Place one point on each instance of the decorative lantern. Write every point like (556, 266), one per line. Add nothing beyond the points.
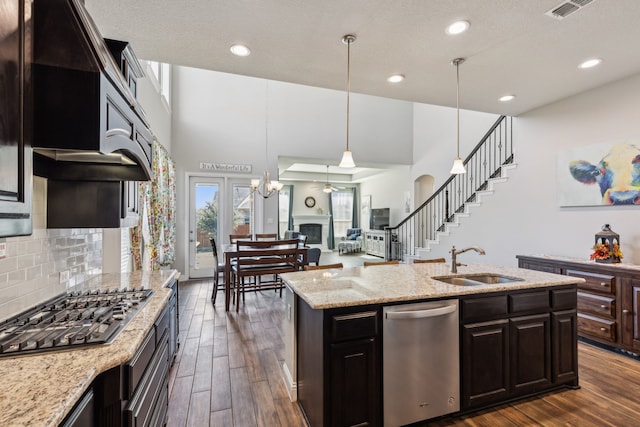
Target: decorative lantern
(607, 246)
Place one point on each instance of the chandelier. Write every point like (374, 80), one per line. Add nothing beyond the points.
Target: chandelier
(266, 187)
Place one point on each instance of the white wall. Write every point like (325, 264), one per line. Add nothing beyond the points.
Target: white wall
(221, 118)
(387, 190)
(522, 217)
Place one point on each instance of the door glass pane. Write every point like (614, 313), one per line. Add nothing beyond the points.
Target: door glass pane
(207, 203)
(241, 209)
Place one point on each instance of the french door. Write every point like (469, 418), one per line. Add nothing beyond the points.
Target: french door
(218, 206)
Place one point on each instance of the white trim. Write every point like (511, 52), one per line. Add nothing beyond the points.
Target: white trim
(292, 386)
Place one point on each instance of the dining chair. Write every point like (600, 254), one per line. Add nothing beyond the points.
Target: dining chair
(266, 236)
(233, 238)
(372, 263)
(313, 256)
(323, 267)
(219, 269)
(260, 258)
(429, 261)
(303, 239)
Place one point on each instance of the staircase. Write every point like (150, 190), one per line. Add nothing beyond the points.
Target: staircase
(486, 165)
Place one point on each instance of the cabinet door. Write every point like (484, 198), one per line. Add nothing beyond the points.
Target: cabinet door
(564, 339)
(530, 345)
(485, 363)
(355, 384)
(630, 307)
(15, 118)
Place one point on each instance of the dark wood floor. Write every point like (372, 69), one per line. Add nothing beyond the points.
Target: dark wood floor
(228, 373)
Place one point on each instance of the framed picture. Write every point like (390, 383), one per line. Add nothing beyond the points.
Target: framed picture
(365, 204)
(599, 175)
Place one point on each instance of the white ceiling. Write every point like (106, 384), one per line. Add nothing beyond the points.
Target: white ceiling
(512, 47)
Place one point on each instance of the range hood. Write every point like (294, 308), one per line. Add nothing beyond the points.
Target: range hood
(88, 125)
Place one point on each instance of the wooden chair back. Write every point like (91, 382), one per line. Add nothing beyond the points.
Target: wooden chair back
(428, 261)
(323, 267)
(233, 238)
(262, 257)
(266, 236)
(372, 263)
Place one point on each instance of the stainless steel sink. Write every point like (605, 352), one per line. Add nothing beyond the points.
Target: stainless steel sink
(476, 279)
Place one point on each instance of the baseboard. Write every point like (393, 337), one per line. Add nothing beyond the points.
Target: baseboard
(290, 384)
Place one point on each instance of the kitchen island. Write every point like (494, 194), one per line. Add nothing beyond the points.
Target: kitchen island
(516, 338)
(42, 389)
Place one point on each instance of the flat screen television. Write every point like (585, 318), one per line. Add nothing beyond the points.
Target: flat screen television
(379, 219)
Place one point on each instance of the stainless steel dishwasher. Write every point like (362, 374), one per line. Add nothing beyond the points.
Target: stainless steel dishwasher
(421, 370)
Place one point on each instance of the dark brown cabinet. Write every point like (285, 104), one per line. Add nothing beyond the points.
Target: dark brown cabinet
(339, 372)
(517, 344)
(608, 300)
(16, 117)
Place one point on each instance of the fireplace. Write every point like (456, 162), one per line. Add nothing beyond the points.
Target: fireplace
(312, 231)
(321, 221)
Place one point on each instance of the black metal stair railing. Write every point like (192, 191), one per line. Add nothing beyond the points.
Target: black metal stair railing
(484, 162)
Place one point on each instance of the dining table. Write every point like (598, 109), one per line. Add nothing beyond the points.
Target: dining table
(230, 251)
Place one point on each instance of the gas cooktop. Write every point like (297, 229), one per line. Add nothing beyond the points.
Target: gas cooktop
(71, 320)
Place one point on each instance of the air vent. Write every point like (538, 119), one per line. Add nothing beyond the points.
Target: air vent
(567, 8)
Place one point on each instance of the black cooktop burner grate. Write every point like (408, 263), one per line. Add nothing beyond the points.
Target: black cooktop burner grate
(71, 320)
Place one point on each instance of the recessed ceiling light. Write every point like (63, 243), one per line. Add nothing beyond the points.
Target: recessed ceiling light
(240, 50)
(395, 78)
(458, 27)
(590, 63)
(506, 98)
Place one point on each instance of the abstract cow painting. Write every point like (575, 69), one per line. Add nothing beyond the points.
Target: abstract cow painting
(603, 174)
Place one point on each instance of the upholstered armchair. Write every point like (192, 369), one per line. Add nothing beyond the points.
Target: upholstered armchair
(352, 242)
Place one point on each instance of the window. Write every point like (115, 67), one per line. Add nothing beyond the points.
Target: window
(241, 209)
(160, 75)
(342, 205)
(283, 205)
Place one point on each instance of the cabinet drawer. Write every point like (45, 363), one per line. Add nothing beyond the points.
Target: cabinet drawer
(135, 369)
(481, 309)
(530, 302)
(353, 326)
(596, 327)
(595, 282)
(597, 304)
(564, 299)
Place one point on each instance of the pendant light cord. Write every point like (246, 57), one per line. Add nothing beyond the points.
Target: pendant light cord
(349, 41)
(458, 104)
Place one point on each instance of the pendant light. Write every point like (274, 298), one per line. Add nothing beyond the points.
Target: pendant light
(266, 188)
(458, 166)
(347, 157)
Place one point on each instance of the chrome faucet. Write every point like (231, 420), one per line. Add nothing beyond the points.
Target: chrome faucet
(454, 253)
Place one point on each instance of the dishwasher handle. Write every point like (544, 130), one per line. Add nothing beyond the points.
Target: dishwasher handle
(420, 314)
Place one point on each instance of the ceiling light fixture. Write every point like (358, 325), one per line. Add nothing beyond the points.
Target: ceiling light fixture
(458, 166)
(347, 157)
(458, 27)
(240, 50)
(395, 78)
(266, 188)
(506, 98)
(590, 63)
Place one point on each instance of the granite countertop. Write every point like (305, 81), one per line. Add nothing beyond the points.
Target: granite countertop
(381, 284)
(40, 389)
(619, 265)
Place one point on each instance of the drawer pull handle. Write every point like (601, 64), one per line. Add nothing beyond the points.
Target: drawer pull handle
(603, 306)
(603, 329)
(626, 311)
(604, 284)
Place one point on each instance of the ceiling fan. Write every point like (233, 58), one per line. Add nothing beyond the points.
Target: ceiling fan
(328, 188)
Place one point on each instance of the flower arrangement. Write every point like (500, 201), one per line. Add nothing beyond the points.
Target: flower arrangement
(602, 251)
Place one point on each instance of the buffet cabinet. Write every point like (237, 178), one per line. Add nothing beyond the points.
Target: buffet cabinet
(375, 243)
(608, 300)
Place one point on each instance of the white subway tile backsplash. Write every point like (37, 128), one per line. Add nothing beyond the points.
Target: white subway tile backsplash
(30, 274)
